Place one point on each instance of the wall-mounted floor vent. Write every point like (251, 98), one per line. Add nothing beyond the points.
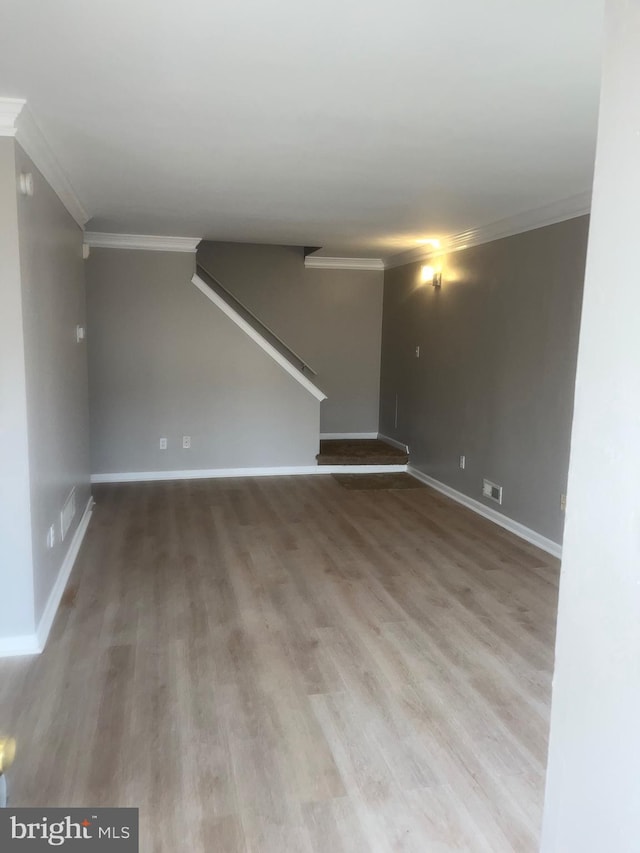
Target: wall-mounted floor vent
(491, 490)
(68, 513)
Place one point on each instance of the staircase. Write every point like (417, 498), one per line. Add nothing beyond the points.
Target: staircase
(362, 452)
(258, 331)
(352, 456)
(254, 322)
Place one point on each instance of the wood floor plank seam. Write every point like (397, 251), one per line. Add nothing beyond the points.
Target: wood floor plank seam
(283, 664)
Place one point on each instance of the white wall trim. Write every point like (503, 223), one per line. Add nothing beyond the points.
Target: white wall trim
(33, 644)
(10, 109)
(255, 336)
(22, 644)
(549, 214)
(53, 602)
(509, 524)
(312, 262)
(147, 242)
(393, 442)
(17, 120)
(336, 436)
(219, 473)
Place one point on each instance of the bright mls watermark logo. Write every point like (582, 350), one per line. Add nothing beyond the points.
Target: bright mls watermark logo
(82, 830)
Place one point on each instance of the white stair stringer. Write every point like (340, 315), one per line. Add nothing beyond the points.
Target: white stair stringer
(255, 336)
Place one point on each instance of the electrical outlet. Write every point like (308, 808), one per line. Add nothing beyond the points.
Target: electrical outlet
(51, 537)
(563, 502)
(462, 462)
(163, 444)
(186, 442)
(418, 352)
(492, 490)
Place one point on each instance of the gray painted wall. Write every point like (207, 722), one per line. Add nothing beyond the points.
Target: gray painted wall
(53, 302)
(332, 318)
(494, 381)
(165, 362)
(16, 573)
(43, 389)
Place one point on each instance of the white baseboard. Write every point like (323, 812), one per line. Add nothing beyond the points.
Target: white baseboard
(392, 441)
(22, 644)
(333, 436)
(51, 607)
(361, 469)
(33, 644)
(515, 527)
(219, 473)
(200, 474)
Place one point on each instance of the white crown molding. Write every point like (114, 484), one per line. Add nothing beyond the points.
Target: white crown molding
(526, 533)
(412, 256)
(10, 109)
(32, 140)
(146, 242)
(17, 120)
(218, 473)
(312, 262)
(255, 336)
(549, 214)
(559, 211)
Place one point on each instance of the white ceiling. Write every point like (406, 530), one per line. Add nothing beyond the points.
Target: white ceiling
(359, 125)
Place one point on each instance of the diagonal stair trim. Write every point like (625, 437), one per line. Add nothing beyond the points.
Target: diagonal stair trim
(262, 328)
(255, 336)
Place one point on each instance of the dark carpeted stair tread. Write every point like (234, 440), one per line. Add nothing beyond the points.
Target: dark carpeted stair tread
(377, 482)
(365, 451)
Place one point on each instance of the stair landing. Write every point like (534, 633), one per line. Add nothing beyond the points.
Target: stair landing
(365, 451)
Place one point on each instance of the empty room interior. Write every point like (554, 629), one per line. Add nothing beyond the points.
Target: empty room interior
(320, 408)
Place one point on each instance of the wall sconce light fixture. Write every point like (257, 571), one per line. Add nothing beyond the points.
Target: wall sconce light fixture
(431, 276)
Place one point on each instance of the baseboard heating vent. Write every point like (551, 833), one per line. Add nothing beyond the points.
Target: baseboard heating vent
(68, 514)
(491, 490)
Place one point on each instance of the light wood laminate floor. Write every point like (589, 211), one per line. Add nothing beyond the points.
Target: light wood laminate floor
(282, 665)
